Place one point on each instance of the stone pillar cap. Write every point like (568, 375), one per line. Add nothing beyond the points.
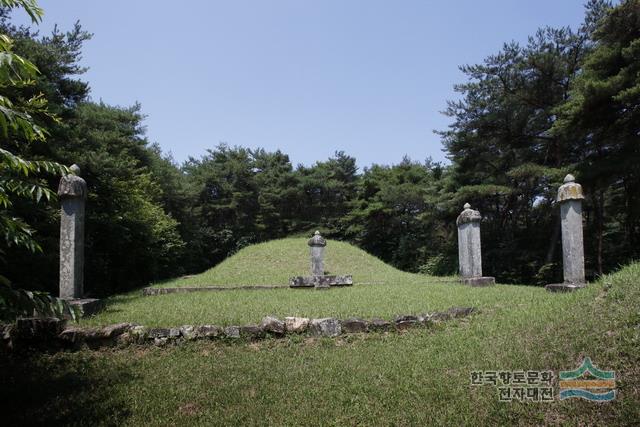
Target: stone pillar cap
(468, 215)
(72, 185)
(317, 240)
(570, 190)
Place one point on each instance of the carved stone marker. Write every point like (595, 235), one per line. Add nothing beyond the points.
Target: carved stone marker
(570, 198)
(318, 279)
(469, 250)
(73, 195)
(317, 244)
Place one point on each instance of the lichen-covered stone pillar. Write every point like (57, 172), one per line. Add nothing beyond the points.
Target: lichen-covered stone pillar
(73, 194)
(469, 248)
(317, 244)
(570, 199)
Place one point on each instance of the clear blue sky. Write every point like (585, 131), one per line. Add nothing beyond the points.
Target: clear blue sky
(308, 77)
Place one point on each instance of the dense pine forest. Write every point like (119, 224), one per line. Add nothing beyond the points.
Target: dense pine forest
(566, 101)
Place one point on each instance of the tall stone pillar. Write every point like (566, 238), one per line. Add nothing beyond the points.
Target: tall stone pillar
(317, 244)
(469, 249)
(570, 199)
(73, 194)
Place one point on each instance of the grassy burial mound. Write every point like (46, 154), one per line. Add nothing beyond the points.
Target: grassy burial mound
(275, 262)
(415, 378)
(379, 290)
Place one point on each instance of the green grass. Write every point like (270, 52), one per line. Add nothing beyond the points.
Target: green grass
(237, 307)
(275, 262)
(389, 291)
(419, 377)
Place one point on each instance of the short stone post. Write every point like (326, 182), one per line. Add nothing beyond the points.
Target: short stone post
(318, 279)
(72, 192)
(317, 244)
(570, 199)
(469, 249)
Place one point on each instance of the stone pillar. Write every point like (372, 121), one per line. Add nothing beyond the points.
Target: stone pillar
(318, 279)
(469, 249)
(73, 194)
(570, 199)
(317, 244)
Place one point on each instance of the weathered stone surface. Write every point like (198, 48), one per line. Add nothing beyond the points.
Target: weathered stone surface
(209, 331)
(319, 281)
(440, 316)
(136, 335)
(86, 306)
(424, 318)
(128, 333)
(72, 191)
(232, 332)
(78, 335)
(461, 311)
(564, 287)
(469, 250)
(379, 325)
(72, 185)
(354, 325)
(189, 332)
(188, 289)
(273, 325)
(406, 321)
(570, 198)
(296, 324)
(161, 341)
(570, 190)
(572, 242)
(326, 327)
(158, 333)
(95, 337)
(468, 215)
(406, 318)
(112, 331)
(478, 282)
(251, 331)
(317, 244)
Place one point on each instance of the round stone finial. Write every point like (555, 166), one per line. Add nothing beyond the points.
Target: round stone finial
(72, 185)
(570, 190)
(317, 240)
(468, 215)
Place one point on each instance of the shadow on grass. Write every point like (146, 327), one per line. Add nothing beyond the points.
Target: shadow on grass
(62, 389)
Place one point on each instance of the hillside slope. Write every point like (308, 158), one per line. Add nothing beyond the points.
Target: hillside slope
(274, 262)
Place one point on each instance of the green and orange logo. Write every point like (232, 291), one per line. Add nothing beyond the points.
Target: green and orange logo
(588, 382)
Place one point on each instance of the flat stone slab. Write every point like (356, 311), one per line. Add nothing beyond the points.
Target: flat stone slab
(478, 281)
(86, 306)
(565, 287)
(185, 289)
(321, 282)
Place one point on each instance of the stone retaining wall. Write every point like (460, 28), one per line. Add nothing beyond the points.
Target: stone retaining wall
(52, 334)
